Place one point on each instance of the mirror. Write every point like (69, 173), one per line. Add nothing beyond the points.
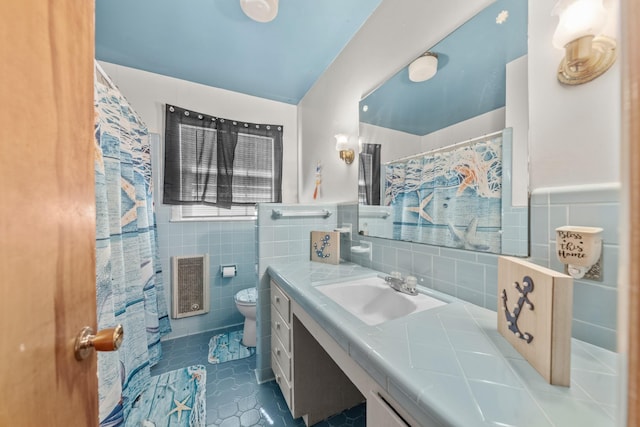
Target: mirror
(425, 132)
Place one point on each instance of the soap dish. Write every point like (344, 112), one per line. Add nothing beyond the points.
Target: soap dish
(363, 248)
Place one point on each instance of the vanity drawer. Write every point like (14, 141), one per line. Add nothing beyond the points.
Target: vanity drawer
(279, 354)
(281, 329)
(280, 301)
(282, 382)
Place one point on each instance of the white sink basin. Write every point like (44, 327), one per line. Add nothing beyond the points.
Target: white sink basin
(374, 302)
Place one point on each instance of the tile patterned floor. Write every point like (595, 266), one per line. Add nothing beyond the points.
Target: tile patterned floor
(234, 398)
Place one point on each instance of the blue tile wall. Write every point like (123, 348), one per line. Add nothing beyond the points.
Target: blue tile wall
(472, 276)
(283, 240)
(594, 302)
(226, 242)
(464, 274)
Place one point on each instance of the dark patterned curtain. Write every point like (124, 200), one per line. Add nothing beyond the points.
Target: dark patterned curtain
(369, 175)
(221, 162)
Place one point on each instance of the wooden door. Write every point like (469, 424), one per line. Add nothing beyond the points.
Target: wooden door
(47, 212)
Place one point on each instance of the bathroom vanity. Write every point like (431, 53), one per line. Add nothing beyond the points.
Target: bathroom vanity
(307, 370)
(444, 366)
(297, 357)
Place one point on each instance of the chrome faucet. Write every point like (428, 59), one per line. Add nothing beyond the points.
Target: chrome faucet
(397, 283)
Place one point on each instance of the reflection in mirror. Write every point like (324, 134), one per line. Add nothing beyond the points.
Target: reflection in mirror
(444, 161)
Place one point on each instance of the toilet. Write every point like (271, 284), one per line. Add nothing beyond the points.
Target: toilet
(246, 303)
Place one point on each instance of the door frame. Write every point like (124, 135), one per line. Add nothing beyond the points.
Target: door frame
(629, 300)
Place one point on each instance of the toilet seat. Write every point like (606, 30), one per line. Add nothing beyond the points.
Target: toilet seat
(247, 296)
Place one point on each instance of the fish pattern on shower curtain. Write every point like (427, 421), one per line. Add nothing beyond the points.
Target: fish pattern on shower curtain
(130, 290)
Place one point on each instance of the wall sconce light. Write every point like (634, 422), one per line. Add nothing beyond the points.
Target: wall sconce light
(342, 145)
(579, 248)
(424, 67)
(588, 54)
(260, 10)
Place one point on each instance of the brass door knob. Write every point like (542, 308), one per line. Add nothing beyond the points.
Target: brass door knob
(105, 340)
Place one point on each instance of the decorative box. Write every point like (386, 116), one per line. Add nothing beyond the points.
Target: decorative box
(325, 246)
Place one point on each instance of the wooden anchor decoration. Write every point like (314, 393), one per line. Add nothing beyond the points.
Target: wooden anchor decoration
(512, 319)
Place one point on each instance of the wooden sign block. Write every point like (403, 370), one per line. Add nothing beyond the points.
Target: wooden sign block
(325, 246)
(535, 310)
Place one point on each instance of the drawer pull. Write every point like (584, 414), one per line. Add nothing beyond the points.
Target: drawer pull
(277, 298)
(277, 352)
(278, 379)
(277, 325)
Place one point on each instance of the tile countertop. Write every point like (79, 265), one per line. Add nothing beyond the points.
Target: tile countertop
(451, 363)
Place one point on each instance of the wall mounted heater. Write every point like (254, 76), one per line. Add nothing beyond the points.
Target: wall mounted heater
(189, 285)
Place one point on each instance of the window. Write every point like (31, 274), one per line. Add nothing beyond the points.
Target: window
(253, 178)
(212, 213)
(213, 163)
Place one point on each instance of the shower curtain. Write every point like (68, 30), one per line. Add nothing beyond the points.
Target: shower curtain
(449, 198)
(130, 290)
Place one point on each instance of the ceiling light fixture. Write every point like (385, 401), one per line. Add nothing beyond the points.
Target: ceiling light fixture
(588, 54)
(260, 10)
(424, 67)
